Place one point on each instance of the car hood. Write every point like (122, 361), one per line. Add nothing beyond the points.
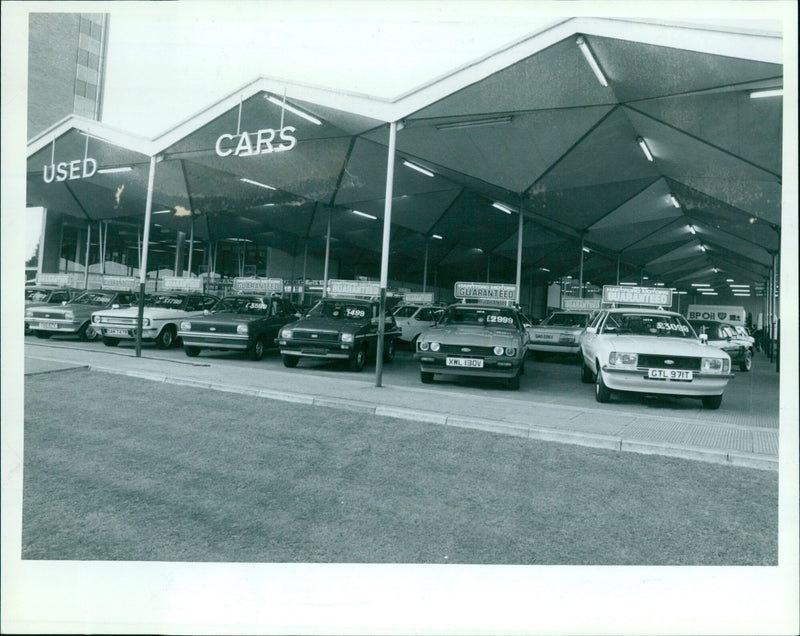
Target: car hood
(457, 334)
(58, 310)
(662, 346)
(555, 329)
(154, 313)
(317, 323)
(226, 319)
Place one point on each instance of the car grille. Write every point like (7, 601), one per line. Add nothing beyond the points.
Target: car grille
(200, 327)
(473, 351)
(678, 362)
(48, 313)
(117, 320)
(316, 336)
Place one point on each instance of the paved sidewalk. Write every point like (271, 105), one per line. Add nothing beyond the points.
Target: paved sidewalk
(618, 428)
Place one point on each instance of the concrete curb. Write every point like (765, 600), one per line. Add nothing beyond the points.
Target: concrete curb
(591, 440)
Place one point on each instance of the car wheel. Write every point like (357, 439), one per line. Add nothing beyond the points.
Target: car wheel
(192, 352)
(166, 338)
(358, 359)
(586, 373)
(290, 361)
(88, 333)
(513, 383)
(28, 330)
(257, 350)
(110, 342)
(712, 401)
(602, 392)
(388, 351)
(746, 364)
(44, 335)
(426, 377)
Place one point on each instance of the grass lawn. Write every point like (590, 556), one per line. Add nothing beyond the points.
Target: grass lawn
(118, 468)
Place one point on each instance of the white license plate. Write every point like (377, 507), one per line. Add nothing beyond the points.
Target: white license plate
(544, 336)
(669, 374)
(48, 325)
(117, 332)
(473, 363)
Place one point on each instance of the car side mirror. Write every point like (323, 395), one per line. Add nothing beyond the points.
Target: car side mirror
(63, 302)
(206, 312)
(591, 329)
(115, 306)
(703, 338)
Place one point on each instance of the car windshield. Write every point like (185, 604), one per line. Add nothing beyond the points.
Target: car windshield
(340, 310)
(37, 295)
(566, 320)
(712, 329)
(638, 324)
(168, 301)
(254, 305)
(405, 312)
(484, 316)
(95, 299)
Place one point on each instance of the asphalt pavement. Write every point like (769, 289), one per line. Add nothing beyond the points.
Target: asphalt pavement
(552, 404)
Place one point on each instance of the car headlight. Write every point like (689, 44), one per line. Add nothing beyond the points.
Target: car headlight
(186, 325)
(286, 334)
(423, 346)
(714, 365)
(29, 313)
(242, 330)
(347, 337)
(498, 351)
(511, 351)
(623, 359)
(145, 322)
(435, 346)
(95, 318)
(68, 315)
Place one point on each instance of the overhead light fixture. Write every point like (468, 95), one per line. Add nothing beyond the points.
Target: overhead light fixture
(682, 293)
(753, 219)
(659, 284)
(701, 285)
(113, 170)
(716, 270)
(745, 294)
(709, 293)
(674, 201)
(645, 149)
(474, 123)
(729, 280)
(770, 92)
(163, 212)
(256, 183)
(702, 247)
(692, 230)
(502, 207)
(732, 286)
(292, 109)
(544, 269)
(629, 284)
(365, 215)
(414, 166)
(586, 249)
(436, 236)
(587, 53)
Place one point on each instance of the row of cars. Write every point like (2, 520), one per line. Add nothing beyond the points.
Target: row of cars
(633, 349)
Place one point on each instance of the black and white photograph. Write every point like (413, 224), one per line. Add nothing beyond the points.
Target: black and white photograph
(399, 317)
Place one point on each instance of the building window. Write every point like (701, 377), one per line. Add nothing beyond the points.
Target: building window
(97, 31)
(80, 88)
(83, 57)
(93, 61)
(91, 90)
(86, 26)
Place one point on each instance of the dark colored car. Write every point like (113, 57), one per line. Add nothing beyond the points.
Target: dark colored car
(723, 336)
(338, 329)
(246, 322)
(46, 295)
(75, 316)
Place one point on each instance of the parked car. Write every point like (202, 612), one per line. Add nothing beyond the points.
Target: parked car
(244, 322)
(744, 334)
(412, 319)
(75, 316)
(163, 312)
(338, 329)
(725, 337)
(474, 340)
(46, 295)
(651, 351)
(558, 333)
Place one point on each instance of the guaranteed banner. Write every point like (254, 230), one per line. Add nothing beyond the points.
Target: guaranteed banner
(580, 304)
(485, 291)
(258, 285)
(175, 283)
(354, 288)
(657, 296)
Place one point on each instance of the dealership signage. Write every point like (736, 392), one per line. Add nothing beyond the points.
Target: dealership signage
(61, 280)
(118, 282)
(174, 283)
(722, 313)
(258, 285)
(261, 142)
(657, 296)
(418, 297)
(70, 170)
(580, 304)
(354, 287)
(485, 291)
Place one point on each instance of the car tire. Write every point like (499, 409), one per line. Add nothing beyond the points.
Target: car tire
(358, 359)
(256, 352)
(110, 342)
(426, 377)
(513, 383)
(587, 377)
(290, 362)
(746, 364)
(602, 392)
(88, 333)
(712, 401)
(388, 351)
(44, 335)
(166, 339)
(191, 351)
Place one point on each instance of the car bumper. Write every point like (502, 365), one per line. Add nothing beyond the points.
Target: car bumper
(125, 333)
(493, 367)
(54, 326)
(637, 380)
(554, 348)
(334, 352)
(216, 341)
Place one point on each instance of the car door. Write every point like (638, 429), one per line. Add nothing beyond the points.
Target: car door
(589, 339)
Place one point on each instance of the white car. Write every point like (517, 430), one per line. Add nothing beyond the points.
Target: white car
(163, 313)
(745, 335)
(558, 333)
(414, 319)
(651, 351)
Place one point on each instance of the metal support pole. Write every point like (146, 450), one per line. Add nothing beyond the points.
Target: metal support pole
(618, 255)
(580, 289)
(488, 268)
(519, 253)
(143, 270)
(425, 267)
(387, 230)
(86, 263)
(139, 247)
(191, 246)
(327, 257)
